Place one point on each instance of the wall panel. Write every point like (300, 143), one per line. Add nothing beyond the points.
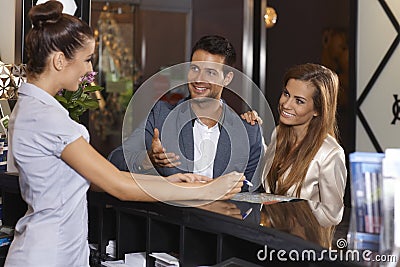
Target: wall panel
(378, 79)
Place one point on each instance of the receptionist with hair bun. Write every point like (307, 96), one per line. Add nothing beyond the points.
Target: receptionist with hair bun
(55, 161)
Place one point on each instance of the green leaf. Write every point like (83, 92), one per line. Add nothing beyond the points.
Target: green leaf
(77, 94)
(89, 104)
(93, 88)
(71, 105)
(78, 110)
(92, 104)
(61, 99)
(74, 116)
(67, 95)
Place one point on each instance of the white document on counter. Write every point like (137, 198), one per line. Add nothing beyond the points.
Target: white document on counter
(259, 197)
(164, 259)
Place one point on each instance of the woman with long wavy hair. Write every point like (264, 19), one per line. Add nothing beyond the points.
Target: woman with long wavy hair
(308, 161)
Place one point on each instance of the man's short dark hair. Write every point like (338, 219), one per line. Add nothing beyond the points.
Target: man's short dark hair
(216, 45)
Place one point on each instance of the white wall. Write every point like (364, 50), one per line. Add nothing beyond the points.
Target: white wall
(7, 30)
(375, 35)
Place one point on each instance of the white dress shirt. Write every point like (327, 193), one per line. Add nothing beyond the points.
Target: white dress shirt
(205, 147)
(54, 230)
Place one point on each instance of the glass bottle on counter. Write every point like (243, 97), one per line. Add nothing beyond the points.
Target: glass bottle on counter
(390, 205)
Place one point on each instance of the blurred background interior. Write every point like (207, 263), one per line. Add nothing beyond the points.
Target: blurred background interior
(137, 38)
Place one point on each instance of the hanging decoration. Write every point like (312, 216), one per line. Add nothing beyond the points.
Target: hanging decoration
(11, 77)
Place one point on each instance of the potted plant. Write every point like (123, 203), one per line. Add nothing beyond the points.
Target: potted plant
(79, 101)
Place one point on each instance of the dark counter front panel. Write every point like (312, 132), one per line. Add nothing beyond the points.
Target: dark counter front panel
(195, 236)
(200, 237)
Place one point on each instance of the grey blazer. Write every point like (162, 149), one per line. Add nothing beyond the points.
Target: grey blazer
(239, 145)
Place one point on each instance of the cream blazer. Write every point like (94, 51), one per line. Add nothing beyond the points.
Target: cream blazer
(325, 180)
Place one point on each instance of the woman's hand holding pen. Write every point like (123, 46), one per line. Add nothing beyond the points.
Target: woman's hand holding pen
(226, 186)
(158, 155)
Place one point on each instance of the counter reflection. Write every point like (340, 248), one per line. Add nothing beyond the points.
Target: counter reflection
(315, 222)
(297, 218)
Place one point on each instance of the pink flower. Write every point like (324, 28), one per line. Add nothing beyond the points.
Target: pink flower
(88, 78)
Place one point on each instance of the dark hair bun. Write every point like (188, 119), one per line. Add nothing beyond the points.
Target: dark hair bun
(49, 12)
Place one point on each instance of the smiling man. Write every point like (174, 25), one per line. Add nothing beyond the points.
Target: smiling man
(200, 134)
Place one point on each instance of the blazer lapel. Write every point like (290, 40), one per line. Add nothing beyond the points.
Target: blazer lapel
(223, 154)
(185, 131)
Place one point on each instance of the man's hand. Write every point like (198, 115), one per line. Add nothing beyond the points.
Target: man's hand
(251, 117)
(158, 155)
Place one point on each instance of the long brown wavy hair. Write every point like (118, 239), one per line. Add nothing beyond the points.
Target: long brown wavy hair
(298, 159)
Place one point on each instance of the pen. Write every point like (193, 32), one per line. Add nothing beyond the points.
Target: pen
(245, 181)
(248, 182)
(244, 215)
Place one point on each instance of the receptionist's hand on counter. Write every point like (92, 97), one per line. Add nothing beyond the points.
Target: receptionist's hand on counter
(188, 177)
(188, 186)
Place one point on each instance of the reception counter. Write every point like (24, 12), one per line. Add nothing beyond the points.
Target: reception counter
(222, 233)
(214, 233)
